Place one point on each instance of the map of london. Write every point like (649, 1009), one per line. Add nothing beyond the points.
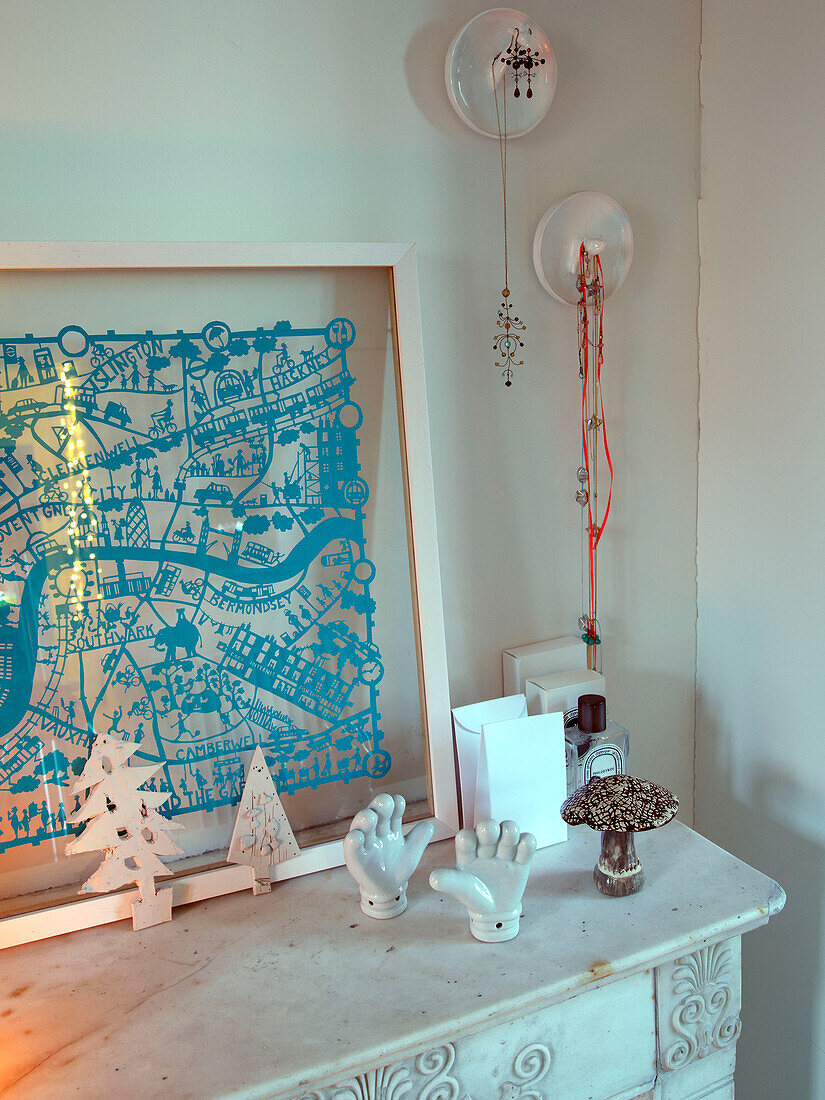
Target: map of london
(223, 595)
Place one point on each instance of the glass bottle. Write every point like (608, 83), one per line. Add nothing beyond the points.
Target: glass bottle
(595, 745)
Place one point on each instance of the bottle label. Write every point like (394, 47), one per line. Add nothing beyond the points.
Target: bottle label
(604, 760)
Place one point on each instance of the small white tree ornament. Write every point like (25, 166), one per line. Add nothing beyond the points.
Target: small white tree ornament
(262, 835)
(123, 821)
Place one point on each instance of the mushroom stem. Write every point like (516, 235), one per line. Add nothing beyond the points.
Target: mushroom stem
(618, 872)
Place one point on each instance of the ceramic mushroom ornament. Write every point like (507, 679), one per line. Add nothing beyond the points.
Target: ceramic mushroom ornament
(619, 805)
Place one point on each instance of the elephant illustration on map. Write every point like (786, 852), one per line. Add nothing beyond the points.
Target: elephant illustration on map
(184, 635)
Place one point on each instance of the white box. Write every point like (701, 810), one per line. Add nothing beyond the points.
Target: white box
(560, 691)
(522, 776)
(524, 662)
(467, 723)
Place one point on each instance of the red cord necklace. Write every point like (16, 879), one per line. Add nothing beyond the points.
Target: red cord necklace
(591, 286)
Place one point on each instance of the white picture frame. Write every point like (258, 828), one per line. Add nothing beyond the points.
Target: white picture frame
(399, 262)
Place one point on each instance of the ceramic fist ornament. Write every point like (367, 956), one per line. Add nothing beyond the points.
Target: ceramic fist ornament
(380, 858)
(492, 867)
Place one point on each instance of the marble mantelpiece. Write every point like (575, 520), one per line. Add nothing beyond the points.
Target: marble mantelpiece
(295, 993)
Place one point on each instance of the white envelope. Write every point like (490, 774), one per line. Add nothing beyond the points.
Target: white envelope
(522, 776)
(467, 723)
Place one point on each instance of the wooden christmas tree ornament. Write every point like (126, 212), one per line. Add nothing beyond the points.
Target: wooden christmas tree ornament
(262, 835)
(123, 821)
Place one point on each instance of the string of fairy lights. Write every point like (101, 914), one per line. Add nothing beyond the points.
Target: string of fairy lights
(79, 489)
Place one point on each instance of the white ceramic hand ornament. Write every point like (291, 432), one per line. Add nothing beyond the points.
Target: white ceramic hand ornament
(380, 858)
(492, 867)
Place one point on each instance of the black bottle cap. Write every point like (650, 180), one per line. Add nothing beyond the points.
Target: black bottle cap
(592, 713)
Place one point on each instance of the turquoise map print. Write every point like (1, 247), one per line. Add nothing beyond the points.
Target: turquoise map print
(224, 598)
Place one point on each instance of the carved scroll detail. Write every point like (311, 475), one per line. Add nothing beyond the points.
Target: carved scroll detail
(704, 981)
(431, 1076)
(529, 1066)
(394, 1082)
(437, 1064)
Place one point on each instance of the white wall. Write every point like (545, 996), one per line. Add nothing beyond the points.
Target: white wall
(262, 119)
(761, 729)
(322, 120)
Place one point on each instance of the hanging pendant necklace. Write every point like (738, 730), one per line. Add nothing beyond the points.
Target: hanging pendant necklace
(522, 57)
(594, 432)
(582, 251)
(508, 341)
(506, 46)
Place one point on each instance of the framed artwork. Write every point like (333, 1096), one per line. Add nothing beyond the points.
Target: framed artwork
(217, 532)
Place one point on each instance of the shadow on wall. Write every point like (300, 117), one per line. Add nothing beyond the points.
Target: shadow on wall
(777, 1054)
(424, 69)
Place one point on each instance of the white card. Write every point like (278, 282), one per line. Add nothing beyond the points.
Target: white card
(522, 777)
(467, 723)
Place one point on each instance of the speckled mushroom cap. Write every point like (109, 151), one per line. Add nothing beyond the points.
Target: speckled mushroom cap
(620, 802)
